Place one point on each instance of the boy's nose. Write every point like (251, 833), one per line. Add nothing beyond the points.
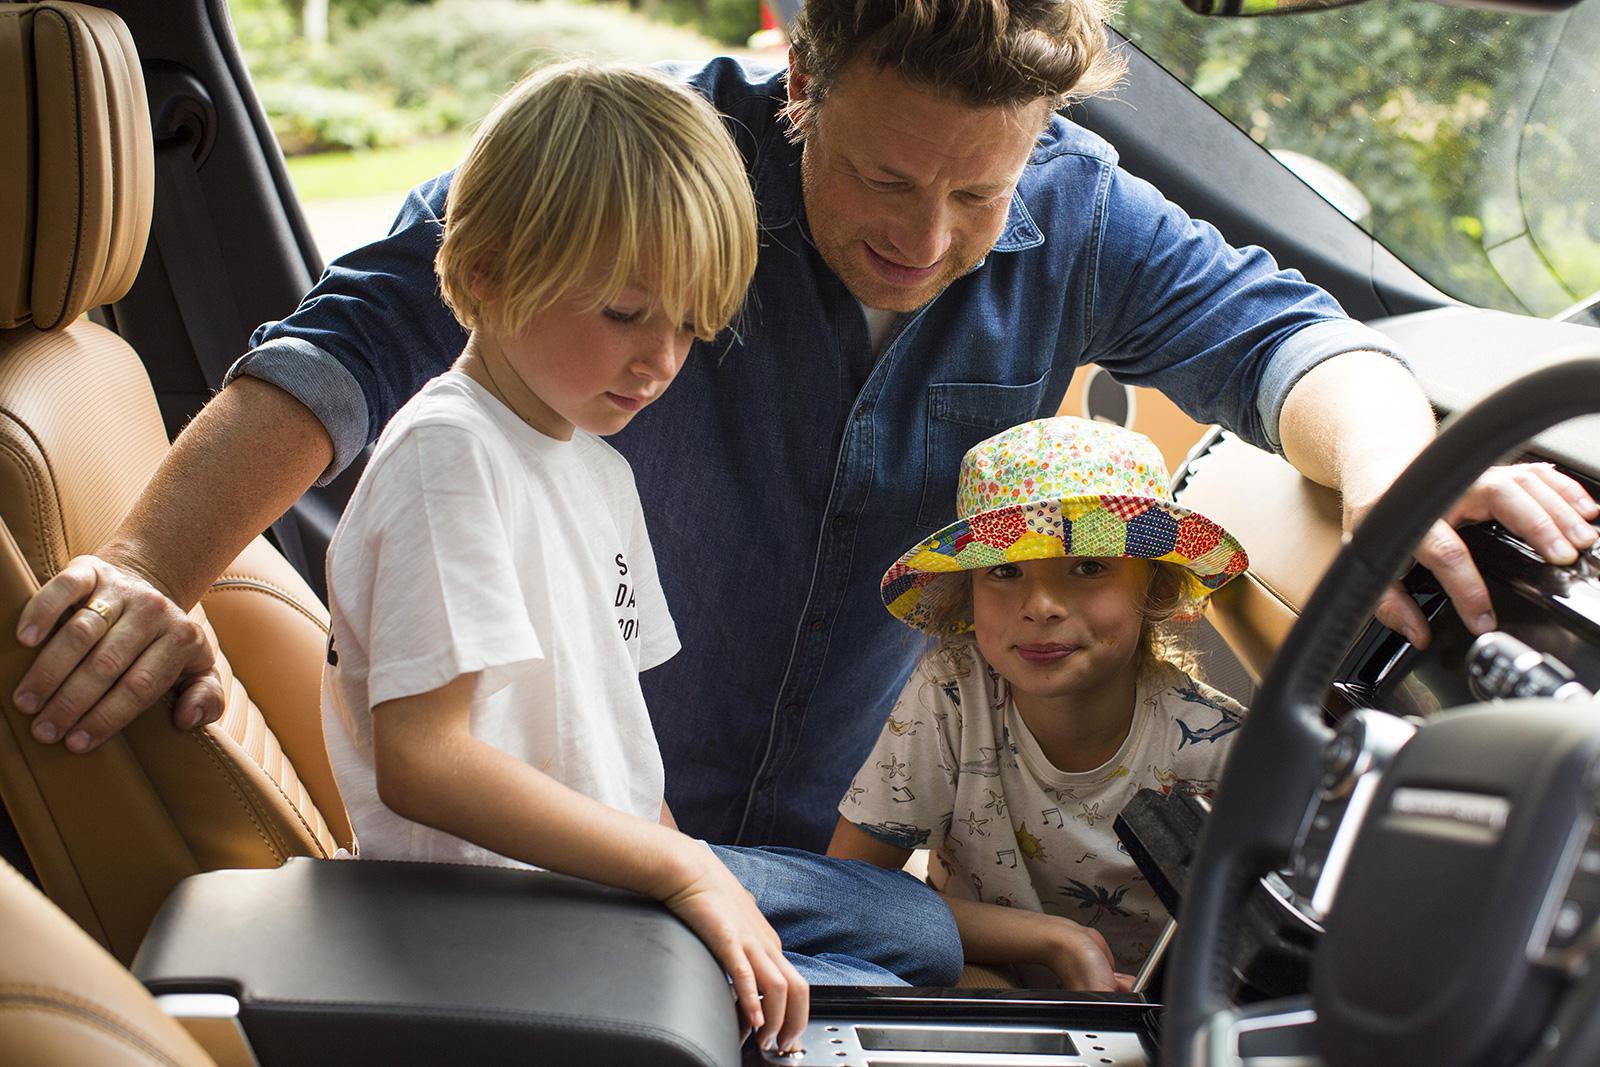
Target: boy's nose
(1042, 604)
(661, 361)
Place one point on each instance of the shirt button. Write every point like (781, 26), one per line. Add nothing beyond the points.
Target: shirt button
(818, 623)
(863, 412)
(841, 523)
(792, 710)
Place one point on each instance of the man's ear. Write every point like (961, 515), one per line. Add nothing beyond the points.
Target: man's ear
(798, 80)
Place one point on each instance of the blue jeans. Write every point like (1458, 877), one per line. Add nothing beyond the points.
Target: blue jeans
(845, 922)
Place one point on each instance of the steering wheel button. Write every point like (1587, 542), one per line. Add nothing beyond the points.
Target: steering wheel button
(1568, 925)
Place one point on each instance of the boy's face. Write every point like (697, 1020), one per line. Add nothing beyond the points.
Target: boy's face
(906, 190)
(1062, 630)
(594, 368)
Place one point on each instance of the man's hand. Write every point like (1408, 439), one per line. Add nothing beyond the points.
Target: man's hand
(1535, 502)
(113, 643)
(772, 996)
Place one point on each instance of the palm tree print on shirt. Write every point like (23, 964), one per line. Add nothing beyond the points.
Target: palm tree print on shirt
(1097, 898)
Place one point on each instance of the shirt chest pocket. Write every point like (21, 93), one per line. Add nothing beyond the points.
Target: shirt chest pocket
(960, 414)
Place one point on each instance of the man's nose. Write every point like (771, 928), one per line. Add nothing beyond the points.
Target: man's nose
(921, 234)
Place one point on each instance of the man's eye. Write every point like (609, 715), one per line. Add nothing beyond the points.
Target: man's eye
(881, 186)
(978, 199)
(619, 315)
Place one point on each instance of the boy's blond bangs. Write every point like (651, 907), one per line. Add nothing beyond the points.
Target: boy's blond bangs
(600, 178)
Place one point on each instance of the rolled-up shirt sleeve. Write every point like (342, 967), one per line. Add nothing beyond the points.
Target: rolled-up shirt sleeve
(1223, 331)
(371, 332)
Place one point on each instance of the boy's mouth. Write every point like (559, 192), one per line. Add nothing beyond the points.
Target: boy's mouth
(628, 403)
(1045, 653)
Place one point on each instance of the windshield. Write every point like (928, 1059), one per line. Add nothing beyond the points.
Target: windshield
(1465, 141)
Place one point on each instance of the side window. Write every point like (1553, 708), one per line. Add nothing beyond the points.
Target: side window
(1461, 139)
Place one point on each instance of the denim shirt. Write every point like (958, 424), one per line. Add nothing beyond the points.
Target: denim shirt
(787, 468)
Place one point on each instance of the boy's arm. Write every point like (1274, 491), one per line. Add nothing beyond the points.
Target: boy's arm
(992, 934)
(850, 842)
(1077, 955)
(430, 769)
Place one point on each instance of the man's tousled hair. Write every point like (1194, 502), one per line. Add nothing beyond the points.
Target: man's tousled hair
(986, 53)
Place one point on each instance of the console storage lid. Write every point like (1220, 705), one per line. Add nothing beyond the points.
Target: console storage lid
(357, 962)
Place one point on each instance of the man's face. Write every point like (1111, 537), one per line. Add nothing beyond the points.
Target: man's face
(906, 190)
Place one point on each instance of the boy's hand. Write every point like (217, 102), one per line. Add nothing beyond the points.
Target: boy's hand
(1081, 959)
(773, 997)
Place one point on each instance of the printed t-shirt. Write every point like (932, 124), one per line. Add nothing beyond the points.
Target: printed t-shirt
(957, 771)
(475, 543)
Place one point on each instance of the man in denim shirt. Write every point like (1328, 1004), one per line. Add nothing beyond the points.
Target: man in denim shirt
(933, 269)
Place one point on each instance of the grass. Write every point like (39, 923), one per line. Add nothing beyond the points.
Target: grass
(374, 172)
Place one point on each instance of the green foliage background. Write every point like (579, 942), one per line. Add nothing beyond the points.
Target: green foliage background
(1475, 135)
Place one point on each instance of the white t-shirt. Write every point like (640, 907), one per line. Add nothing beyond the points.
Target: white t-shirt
(475, 543)
(957, 771)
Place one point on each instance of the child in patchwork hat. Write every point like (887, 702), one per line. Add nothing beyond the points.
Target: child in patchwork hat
(1051, 698)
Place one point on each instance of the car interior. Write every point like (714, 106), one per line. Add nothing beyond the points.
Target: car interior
(1402, 865)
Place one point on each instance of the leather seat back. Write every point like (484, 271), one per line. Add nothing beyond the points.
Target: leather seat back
(110, 833)
(64, 1002)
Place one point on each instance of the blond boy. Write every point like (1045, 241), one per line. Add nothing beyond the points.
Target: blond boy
(492, 585)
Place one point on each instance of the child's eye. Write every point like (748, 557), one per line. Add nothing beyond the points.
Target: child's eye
(1089, 568)
(1005, 571)
(620, 315)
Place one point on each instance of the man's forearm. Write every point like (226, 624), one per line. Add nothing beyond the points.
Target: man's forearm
(235, 469)
(1353, 422)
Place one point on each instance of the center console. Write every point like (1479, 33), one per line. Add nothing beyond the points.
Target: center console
(353, 963)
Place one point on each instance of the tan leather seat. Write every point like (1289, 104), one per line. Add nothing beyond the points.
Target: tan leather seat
(64, 1002)
(110, 834)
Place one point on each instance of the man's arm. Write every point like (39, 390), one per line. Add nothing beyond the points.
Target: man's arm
(240, 464)
(297, 407)
(1355, 421)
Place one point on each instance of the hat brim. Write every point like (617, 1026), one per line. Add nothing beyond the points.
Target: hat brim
(918, 591)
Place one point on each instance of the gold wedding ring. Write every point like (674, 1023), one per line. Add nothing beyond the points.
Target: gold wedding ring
(101, 608)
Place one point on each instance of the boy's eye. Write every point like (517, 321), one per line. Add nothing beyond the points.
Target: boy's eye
(1004, 571)
(1089, 568)
(621, 315)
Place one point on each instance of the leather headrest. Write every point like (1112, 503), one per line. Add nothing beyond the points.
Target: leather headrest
(77, 173)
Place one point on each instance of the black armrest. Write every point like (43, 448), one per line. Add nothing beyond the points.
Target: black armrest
(360, 961)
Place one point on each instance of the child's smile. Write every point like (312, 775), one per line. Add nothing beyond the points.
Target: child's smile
(1065, 633)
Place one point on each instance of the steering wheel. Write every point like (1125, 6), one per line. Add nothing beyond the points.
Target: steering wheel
(1459, 932)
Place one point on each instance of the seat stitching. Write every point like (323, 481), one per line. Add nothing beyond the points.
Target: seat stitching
(35, 489)
(251, 584)
(209, 747)
(47, 998)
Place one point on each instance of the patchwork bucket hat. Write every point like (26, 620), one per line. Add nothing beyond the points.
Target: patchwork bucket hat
(1056, 487)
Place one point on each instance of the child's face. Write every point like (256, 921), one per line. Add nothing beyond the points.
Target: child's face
(594, 368)
(1064, 628)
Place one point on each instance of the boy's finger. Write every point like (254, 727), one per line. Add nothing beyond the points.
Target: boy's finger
(774, 999)
(746, 993)
(798, 1006)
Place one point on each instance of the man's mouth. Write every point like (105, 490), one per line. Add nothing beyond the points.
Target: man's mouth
(898, 273)
(1045, 653)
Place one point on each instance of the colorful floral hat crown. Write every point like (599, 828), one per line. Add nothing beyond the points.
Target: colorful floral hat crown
(1056, 487)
